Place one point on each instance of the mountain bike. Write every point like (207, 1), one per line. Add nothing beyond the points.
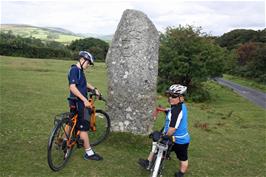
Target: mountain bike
(162, 153)
(65, 136)
(163, 148)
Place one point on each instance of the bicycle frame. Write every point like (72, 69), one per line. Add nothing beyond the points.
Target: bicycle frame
(93, 114)
(70, 143)
(74, 119)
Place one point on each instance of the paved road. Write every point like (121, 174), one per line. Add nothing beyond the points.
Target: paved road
(255, 96)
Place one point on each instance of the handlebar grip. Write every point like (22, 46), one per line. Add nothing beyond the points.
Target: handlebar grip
(102, 98)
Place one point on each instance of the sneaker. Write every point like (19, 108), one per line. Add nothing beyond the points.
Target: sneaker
(95, 156)
(144, 163)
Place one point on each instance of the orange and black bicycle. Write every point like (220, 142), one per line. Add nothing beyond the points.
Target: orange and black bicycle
(65, 136)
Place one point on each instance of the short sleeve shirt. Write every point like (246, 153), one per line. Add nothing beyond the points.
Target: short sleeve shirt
(177, 118)
(76, 76)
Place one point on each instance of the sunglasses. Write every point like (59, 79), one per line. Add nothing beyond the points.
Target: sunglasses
(171, 96)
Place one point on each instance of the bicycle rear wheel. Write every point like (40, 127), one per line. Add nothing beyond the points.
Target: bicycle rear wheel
(102, 128)
(58, 152)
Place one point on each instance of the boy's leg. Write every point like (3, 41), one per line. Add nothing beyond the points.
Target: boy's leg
(183, 166)
(146, 163)
(86, 142)
(83, 126)
(153, 148)
(182, 155)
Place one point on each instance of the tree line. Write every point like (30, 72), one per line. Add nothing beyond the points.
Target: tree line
(249, 49)
(12, 45)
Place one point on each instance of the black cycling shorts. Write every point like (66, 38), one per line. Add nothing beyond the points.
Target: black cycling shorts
(83, 116)
(181, 151)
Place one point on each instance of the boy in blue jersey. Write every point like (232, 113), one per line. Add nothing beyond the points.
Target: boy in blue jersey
(176, 128)
(78, 87)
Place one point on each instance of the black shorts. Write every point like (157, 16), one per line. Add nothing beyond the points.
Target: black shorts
(83, 116)
(181, 151)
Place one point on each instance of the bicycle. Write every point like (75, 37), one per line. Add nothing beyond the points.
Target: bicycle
(163, 148)
(65, 136)
(162, 153)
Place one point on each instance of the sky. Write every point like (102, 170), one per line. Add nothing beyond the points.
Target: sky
(101, 17)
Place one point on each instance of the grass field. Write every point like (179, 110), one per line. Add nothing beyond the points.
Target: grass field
(228, 133)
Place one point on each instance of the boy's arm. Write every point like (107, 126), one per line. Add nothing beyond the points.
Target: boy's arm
(158, 110)
(91, 87)
(171, 131)
(176, 116)
(77, 93)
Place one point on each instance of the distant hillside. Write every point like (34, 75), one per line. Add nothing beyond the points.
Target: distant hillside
(107, 38)
(49, 33)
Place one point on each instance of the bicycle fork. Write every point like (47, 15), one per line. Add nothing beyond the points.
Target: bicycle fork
(161, 149)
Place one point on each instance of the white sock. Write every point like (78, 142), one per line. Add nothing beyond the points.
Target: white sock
(89, 152)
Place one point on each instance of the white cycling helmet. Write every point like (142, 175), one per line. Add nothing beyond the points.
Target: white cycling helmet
(176, 90)
(87, 56)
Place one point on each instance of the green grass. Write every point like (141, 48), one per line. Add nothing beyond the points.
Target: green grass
(246, 82)
(228, 132)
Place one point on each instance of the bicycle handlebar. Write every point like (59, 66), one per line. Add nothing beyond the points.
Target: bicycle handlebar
(90, 96)
(100, 97)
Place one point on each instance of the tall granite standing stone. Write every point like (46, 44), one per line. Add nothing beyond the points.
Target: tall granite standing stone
(132, 64)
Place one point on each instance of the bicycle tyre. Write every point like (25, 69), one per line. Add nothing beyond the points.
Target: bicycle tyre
(103, 125)
(54, 145)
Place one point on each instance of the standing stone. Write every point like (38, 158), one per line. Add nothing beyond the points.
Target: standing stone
(132, 64)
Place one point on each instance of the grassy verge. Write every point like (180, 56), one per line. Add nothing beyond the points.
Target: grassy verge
(246, 82)
(228, 133)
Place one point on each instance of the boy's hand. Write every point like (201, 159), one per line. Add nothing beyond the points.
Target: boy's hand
(155, 114)
(97, 92)
(87, 103)
(157, 111)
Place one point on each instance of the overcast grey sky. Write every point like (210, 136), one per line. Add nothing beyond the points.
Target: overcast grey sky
(102, 16)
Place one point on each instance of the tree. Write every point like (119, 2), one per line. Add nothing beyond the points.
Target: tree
(244, 52)
(189, 57)
(248, 46)
(234, 38)
(251, 60)
(97, 47)
(257, 65)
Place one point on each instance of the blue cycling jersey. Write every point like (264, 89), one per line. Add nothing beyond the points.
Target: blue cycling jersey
(76, 76)
(177, 118)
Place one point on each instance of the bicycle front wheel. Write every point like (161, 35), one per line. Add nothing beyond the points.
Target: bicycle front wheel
(58, 152)
(102, 128)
